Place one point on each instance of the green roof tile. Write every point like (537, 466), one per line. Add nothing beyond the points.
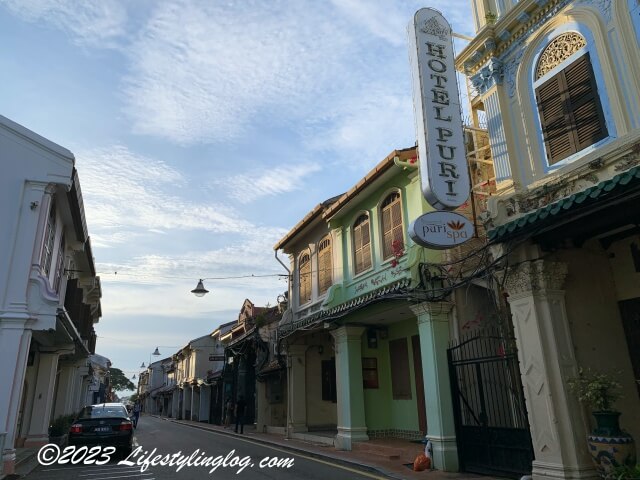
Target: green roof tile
(624, 179)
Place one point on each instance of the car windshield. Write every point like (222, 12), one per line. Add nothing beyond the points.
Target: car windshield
(103, 411)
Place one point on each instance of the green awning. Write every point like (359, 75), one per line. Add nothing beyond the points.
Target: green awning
(613, 187)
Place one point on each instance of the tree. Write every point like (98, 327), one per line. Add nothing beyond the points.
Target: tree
(119, 381)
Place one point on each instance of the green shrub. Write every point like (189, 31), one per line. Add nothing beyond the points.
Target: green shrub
(597, 390)
(623, 472)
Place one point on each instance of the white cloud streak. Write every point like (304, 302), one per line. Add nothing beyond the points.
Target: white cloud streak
(143, 196)
(201, 71)
(249, 187)
(95, 23)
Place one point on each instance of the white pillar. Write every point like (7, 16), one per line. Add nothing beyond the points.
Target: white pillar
(297, 404)
(547, 360)
(64, 390)
(43, 402)
(14, 349)
(352, 426)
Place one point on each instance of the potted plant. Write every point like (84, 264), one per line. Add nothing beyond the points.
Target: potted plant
(609, 446)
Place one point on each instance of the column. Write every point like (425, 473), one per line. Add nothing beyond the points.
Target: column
(547, 360)
(14, 349)
(43, 402)
(263, 405)
(64, 391)
(296, 363)
(433, 327)
(352, 425)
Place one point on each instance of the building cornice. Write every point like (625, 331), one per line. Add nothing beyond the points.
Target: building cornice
(497, 40)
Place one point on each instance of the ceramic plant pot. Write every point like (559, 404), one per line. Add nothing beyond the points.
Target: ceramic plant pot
(609, 446)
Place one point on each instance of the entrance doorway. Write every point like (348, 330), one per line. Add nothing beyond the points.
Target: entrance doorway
(492, 429)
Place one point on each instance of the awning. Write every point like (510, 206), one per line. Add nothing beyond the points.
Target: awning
(346, 307)
(606, 194)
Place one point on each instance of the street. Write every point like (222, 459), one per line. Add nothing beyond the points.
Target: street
(235, 456)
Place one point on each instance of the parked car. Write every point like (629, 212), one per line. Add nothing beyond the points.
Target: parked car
(105, 424)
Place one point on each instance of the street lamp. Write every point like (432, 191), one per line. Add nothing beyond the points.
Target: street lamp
(200, 291)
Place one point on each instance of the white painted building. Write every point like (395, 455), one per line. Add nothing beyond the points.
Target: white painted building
(49, 292)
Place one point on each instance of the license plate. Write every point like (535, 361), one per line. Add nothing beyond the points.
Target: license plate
(102, 429)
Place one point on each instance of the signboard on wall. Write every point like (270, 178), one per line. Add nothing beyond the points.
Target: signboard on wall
(216, 358)
(441, 230)
(436, 104)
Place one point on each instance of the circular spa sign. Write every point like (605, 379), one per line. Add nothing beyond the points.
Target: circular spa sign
(441, 230)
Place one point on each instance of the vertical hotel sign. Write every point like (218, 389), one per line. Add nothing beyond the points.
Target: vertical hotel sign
(436, 103)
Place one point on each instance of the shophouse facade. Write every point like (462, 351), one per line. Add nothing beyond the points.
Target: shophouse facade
(365, 338)
(559, 83)
(49, 291)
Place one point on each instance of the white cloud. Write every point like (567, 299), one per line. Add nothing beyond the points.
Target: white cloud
(143, 195)
(98, 23)
(367, 127)
(248, 187)
(201, 71)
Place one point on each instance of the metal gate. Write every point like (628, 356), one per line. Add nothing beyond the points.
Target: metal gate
(492, 430)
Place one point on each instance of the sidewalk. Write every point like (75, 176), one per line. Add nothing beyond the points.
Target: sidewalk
(361, 458)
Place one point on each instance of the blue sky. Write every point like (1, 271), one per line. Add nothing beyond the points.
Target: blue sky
(203, 131)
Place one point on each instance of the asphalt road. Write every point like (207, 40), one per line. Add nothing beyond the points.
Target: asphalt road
(235, 457)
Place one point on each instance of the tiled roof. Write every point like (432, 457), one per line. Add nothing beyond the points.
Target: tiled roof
(272, 366)
(346, 307)
(604, 189)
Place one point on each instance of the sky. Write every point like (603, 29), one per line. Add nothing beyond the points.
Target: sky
(203, 131)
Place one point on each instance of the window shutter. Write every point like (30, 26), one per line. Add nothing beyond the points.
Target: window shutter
(324, 266)
(556, 123)
(584, 103)
(305, 279)
(366, 246)
(570, 111)
(357, 245)
(396, 217)
(387, 232)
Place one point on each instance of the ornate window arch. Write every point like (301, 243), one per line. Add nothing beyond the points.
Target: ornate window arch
(361, 244)
(558, 50)
(304, 277)
(391, 225)
(325, 265)
(567, 98)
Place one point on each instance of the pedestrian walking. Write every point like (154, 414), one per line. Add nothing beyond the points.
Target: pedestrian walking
(240, 408)
(136, 414)
(228, 412)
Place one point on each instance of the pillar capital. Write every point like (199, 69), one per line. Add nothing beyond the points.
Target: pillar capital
(430, 311)
(535, 276)
(347, 333)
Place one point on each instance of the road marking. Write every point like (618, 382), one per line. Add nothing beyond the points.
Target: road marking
(289, 452)
(138, 475)
(103, 473)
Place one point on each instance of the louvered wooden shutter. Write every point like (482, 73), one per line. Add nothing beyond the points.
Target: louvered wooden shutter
(324, 266)
(570, 111)
(305, 279)
(366, 246)
(357, 248)
(361, 245)
(391, 224)
(584, 103)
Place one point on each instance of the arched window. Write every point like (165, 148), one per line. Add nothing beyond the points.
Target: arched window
(324, 265)
(304, 276)
(391, 219)
(570, 111)
(361, 244)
